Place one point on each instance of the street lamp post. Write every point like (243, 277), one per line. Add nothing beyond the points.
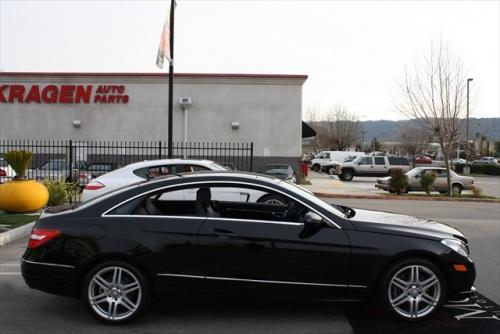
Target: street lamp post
(467, 134)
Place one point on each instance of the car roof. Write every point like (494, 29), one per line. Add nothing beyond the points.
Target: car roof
(149, 163)
(218, 176)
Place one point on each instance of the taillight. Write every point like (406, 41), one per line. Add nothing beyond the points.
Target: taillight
(94, 185)
(82, 175)
(40, 236)
(2, 172)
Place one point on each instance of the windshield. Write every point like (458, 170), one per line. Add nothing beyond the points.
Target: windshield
(414, 172)
(311, 197)
(216, 166)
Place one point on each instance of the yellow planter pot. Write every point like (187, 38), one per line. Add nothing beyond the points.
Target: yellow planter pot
(23, 196)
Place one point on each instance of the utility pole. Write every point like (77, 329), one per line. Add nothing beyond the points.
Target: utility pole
(171, 81)
(467, 135)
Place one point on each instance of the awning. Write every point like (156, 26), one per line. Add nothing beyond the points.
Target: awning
(307, 131)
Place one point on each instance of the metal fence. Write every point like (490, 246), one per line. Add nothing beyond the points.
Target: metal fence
(79, 161)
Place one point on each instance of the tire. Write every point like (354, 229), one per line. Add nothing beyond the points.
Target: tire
(456, 188)
(106, 283)
(273, 199)
(412, 300)
(316, 167)
(347, 175)
(332, 170)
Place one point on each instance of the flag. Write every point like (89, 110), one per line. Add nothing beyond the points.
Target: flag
(164, 48)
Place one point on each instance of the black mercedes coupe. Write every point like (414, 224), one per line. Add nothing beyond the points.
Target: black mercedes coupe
(241, 234)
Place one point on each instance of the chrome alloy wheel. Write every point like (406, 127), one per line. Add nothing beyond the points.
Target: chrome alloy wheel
(114, 293)
(414, 291)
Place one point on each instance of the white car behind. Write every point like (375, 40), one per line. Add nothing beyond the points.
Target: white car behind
(6, 171)
(144, 170)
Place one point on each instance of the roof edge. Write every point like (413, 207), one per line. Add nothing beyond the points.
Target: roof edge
(159, 75)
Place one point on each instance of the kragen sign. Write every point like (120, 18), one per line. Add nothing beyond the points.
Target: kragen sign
(109, 94)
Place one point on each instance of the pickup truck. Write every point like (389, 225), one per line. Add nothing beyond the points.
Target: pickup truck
(370, 166)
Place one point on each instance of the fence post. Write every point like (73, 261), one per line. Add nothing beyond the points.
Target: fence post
(251, 156)
(70, 167)
(159, 149)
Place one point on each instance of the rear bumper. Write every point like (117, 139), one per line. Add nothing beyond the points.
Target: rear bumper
(52, 278)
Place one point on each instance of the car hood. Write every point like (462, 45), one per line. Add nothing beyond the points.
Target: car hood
(390, 223)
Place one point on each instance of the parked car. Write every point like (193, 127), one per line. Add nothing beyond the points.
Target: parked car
(282, 172)
(6, 171)
(141, 171)
(59, 169)
(486, 161)
(97, 169)
(136, 242)
(458, 182)
(331, 167)
(331, 157)
(458, 161)
(423, 160)
(370, 166)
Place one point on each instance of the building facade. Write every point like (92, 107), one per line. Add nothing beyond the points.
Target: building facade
(264, 110)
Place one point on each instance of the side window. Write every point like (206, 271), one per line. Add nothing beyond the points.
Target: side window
(393, 160)
(366, 161)
(379, 161)
(441, 173)
(261, 204)
(326, 156)
(194, 168)
(155, 171)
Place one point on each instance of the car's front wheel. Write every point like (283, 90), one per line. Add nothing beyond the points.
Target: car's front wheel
(116, 292)
(332, 170)
(412, 289)
(347, 175)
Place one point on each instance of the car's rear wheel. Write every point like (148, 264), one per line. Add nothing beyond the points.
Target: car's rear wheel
(412, 289)
(116, 292)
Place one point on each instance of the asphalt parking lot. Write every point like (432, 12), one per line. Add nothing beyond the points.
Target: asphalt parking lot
(27, 311)
(363, 185)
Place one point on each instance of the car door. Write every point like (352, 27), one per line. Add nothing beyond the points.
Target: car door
(260, 249)
(380, 166)
(365, 166)
(164, 225)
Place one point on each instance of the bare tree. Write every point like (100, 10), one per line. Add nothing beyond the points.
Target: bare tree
(344, 127)
(413, 140)
(433, 93)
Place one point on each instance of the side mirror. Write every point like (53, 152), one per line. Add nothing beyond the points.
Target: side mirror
(312, 218)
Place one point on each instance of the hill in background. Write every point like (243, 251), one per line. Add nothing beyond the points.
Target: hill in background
(388, 130)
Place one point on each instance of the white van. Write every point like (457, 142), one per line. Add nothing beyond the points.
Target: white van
(329, 157)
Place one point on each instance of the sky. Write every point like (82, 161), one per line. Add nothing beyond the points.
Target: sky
(354, 52)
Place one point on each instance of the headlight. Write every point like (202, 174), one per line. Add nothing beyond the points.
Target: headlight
(456, 245)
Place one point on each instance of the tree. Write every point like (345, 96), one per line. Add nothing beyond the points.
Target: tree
(433, 93)
(413, 140)
(344, 127)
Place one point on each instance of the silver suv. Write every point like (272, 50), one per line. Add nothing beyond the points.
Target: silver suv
(371, 166)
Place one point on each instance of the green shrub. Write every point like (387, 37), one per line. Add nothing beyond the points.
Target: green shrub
(427, 181)
(60, 192)
(481, 169)
(398, 181)
(19, 161)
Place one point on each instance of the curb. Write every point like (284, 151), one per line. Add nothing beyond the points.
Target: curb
(16, 233)
(409, 198)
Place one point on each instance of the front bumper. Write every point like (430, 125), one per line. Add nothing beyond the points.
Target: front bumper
(461, 284)
(52, 278)
(382, 186)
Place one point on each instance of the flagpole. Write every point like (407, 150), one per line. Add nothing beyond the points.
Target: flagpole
(171, 81)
